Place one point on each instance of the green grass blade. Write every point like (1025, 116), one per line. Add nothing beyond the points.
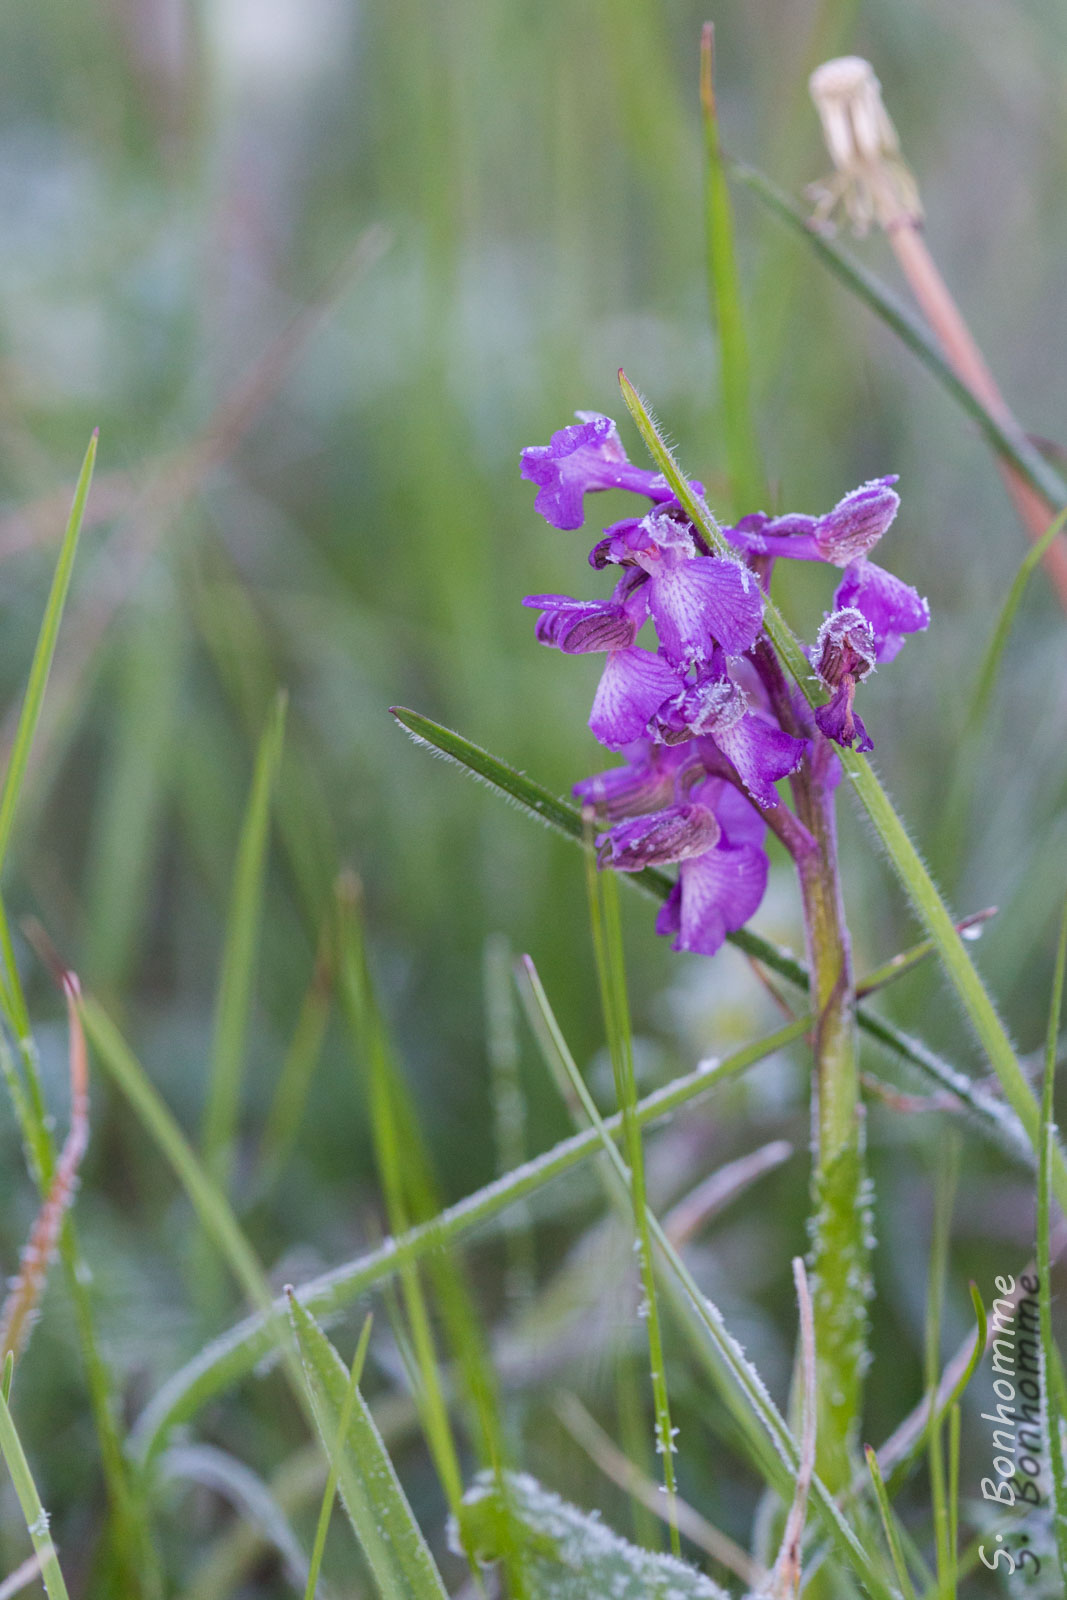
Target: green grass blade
(1013, 447)
(1044, 1263)
(990, 668)
(237, 1352)
(42, 656)
(907, 863)
(607, 945)
(947, 1177)
(34, 1512)
(210, 1204)
(343, 1423)
(572, 1555)
(377, 1507)
(301, 1059)
(234, 998)
(892, 1533)
(744, 463)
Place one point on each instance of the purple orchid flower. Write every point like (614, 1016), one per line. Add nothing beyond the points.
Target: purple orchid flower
(717, 892)
(647, 782)
(842, 536)
(633, 686)
(695, 600)
(893, 608)
(586, 456)
(714, 710)
(675, 834)
(844, 655)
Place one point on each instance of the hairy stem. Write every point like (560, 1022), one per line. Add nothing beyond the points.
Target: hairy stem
(839, 1226)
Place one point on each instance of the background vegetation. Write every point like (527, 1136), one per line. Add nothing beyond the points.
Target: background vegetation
(308, 479)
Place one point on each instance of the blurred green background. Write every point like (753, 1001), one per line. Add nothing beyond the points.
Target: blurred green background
(333, 505)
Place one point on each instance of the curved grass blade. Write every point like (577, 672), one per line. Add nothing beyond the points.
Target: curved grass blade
(34, 1512)
(377, 1507)
(607, 944)
(237, 1352)
(1015, 448)
(1044, 1259)
(907, 863)
(987, 674)
(43, 654)
(343, 1424)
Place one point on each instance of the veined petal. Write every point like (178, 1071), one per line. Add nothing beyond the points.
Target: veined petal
(844, 647)
(645, 783)
(633, 686)
(716, 893)
(838, 720)
(675, 834)
(762, 753)
(893, 608)
(699, 603)
(857, 522)
(580, 626)
(585, 456)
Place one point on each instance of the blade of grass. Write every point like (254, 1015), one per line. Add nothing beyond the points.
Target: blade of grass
(377, 1507)
(947, 1177)
(411, 1193)
(30, 1501)
(509, 1111)
(990, 668)
(234, 999)
(1015, 448)
(907, 863)
(237, 1352)
(744, 463)
(301, 1058)
(343, 1423)
(742, 1376)
(892, 1535)
(42, 655)
(1044, 1256)
(602, 893)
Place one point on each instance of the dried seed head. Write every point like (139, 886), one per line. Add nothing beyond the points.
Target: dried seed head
(871, 181)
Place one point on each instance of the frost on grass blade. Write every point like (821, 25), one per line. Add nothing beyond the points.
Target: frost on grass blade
(570, 1554)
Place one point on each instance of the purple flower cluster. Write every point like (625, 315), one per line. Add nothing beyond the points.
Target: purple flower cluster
(695, 717)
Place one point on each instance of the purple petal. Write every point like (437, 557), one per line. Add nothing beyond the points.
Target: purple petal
(857, 522)
(645, 783)
(838, 720)
(739, 819)
(696, 604)
(893, 608)
(712, 703)
(633, 686)
(583, 457)
(844, 648)
(716, 893)
(791, 536)
(761, 753)
(675, 834)
(580, 626)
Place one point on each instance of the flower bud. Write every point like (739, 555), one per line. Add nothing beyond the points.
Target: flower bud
(870, 179)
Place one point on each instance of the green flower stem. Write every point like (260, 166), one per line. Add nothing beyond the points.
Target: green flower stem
(839, 1249)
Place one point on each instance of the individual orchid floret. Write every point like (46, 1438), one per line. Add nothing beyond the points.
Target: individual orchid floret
(580, 626)
(647, 782)
(714, 710)
(844, 655)
(718, 891)
(675, 834)
(633, 686)
(893, 608)
(696, 601)
(586, 456)
(857, 522)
